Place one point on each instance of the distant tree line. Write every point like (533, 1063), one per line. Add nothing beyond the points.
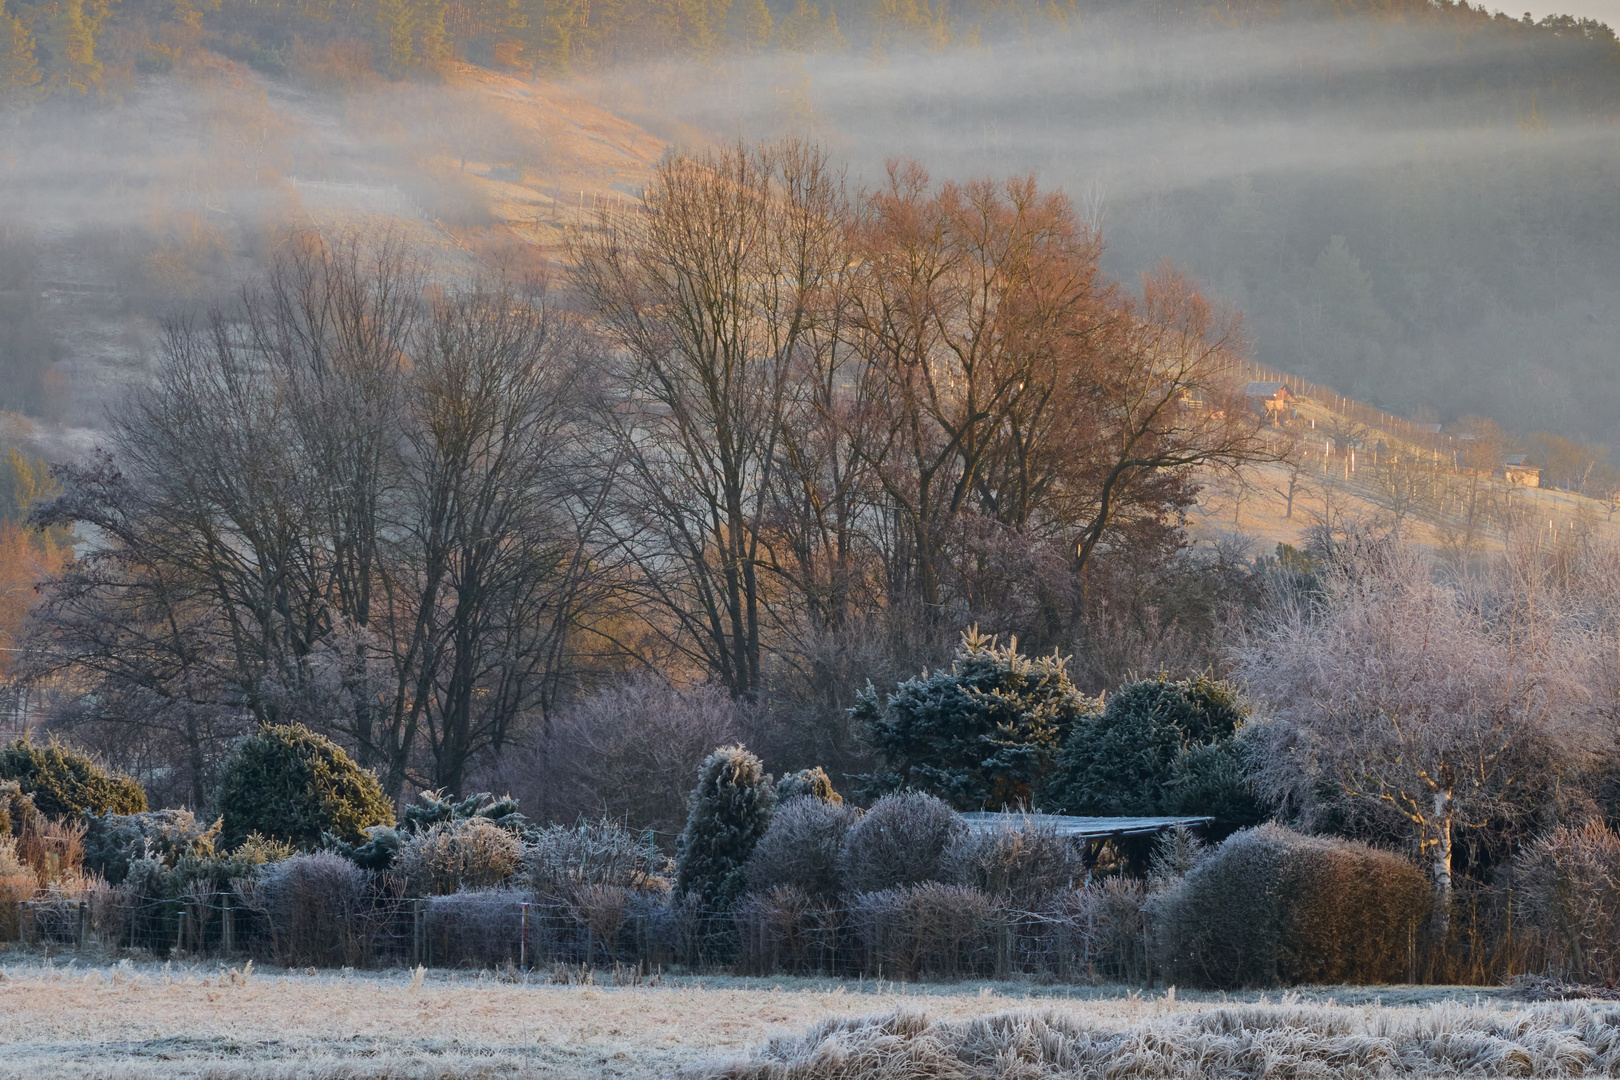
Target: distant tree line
(70, 46)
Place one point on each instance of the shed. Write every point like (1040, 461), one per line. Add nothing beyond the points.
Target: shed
(1516, 469)
(1132, 837)
(1268, 397)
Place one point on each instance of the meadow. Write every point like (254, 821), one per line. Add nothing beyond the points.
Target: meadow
(137, 1020)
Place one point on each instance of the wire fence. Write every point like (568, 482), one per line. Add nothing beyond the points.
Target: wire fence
(929, 931)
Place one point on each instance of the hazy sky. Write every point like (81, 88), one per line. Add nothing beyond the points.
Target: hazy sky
(1607, 11)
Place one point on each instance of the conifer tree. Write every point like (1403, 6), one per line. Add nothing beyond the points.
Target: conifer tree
(287, 783)
(19, 64)
(1159, 747)
(751, 24)
(433, 40)
(727, 813)
(397, 26)
(73, 62)
(982, 735)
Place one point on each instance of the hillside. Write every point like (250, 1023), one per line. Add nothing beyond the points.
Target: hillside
(1411, 201)
(1348, 464)
(479, 174)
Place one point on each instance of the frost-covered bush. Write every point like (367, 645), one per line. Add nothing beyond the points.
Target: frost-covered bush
(1569, 885)
(1102, 930)
(904, 839)
(288, 783)
(1270, 906)
(18, 881)
(469, 853)
(318, 909)
(726, 814)
(674, 925)
(930, 929)
(53, 849)
(435, 808)
(382, 843)
(812, 782)
(781, 929)
(802, 848)
(476, 928)
(113, 841)
(562, 859)
(1175, 855)
(64, 782)
(1019, 859)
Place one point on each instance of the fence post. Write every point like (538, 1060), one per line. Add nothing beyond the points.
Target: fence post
(227, 925)
(84, 925)
(523, 940)
(180, 927)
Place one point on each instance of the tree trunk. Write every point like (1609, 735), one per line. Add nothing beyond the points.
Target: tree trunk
(1442, 865)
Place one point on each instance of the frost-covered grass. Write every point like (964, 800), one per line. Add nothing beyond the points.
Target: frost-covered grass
(1230, 1041)
(175, 1021)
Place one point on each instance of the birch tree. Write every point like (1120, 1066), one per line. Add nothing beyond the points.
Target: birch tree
(1397, 691)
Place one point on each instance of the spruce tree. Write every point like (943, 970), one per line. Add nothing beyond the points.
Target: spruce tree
(726, 814)
(981, 736)
(396, 25)
(73, 47)
(751, 24)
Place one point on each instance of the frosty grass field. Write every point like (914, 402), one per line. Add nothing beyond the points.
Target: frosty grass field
(63, 1019)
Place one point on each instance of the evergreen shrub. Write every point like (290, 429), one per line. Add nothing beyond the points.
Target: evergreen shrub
(983, 735)
(727, 813)
(287, 783)
(814, 782)
(1270, 907)
(113, 842)
(1158, 747)
(65, 783)
(436, 808)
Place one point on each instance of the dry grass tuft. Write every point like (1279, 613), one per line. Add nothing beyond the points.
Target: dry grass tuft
(1239, 1041)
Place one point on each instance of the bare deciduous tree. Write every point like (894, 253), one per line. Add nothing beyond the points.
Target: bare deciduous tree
(342, 505)
(706, 298)
(1411, 695)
